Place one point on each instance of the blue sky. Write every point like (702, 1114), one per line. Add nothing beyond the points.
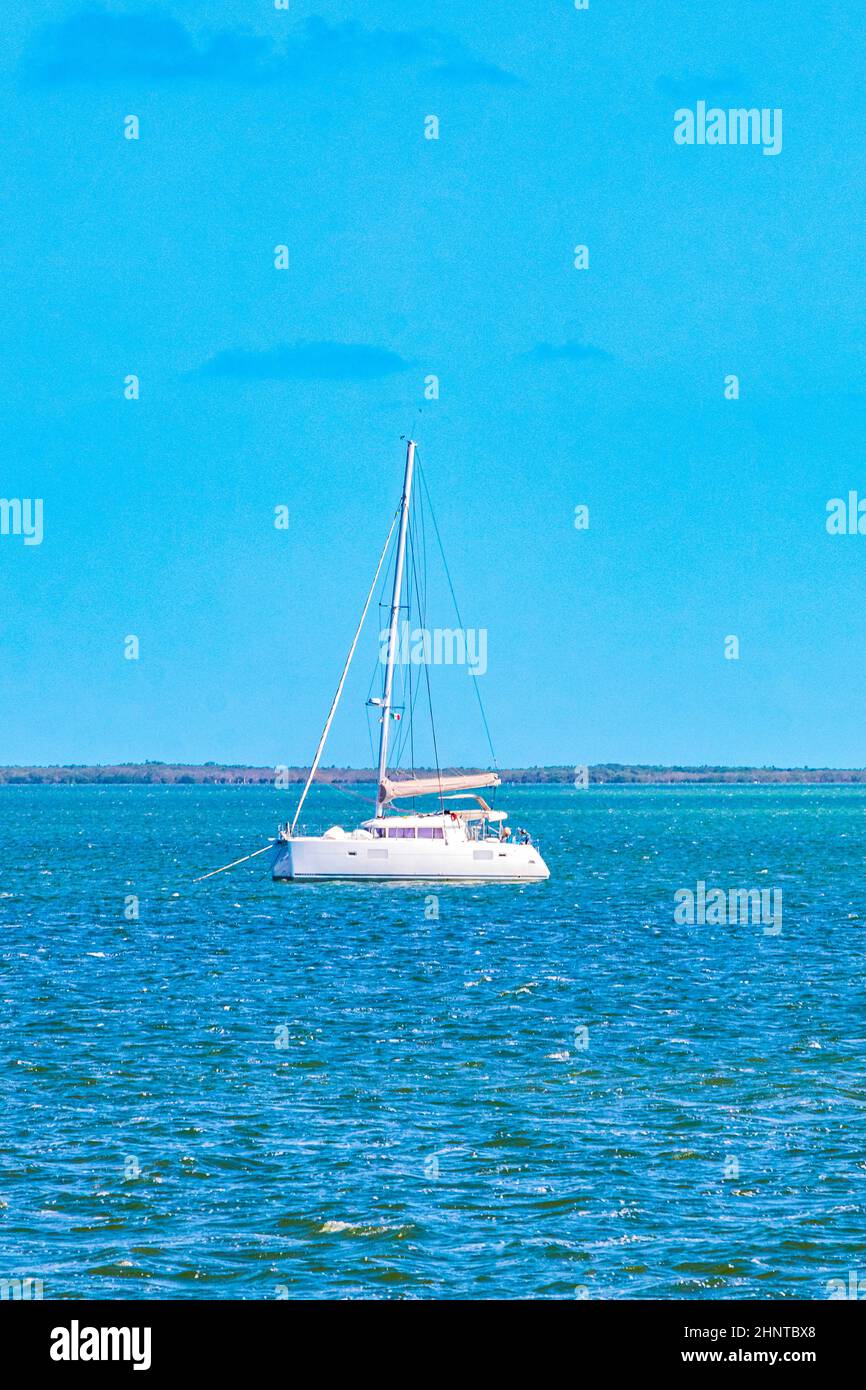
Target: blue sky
(408, 257)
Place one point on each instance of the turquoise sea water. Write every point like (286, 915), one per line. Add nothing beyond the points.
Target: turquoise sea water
(258, 1090)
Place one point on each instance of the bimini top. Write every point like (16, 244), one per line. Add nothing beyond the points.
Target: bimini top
(435, 786)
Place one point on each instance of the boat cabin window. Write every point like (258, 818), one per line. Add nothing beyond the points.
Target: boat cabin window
(401, 832)
(379, 832)
(431, 832)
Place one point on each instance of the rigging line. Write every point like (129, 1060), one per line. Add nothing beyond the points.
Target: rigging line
(456, 608)
(377, 665)
(381, 603)
(423, 515)
(338, 787)
(402, 736)
(411, 730)
(336, 699)
(403, 672)
(398, 691)
(407, 729)
(370, 739)
(233, 865)
(406, 671)
(407, 726)
(426, 665)
(408, 685)
(422, 586)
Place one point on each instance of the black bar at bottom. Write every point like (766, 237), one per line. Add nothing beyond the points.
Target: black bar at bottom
(165, 1339)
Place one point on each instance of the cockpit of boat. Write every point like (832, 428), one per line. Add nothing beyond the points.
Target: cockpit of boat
(475, 822)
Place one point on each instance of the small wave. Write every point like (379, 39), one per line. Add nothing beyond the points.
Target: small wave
(351, 1228)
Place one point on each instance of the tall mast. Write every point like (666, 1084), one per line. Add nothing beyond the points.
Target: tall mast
(392, 630)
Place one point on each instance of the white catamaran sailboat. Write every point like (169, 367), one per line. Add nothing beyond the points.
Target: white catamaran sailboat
(456, 841)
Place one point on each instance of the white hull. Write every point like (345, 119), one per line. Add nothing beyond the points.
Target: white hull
(310, 857)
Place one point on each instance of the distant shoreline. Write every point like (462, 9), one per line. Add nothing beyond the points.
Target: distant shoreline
(603, 774)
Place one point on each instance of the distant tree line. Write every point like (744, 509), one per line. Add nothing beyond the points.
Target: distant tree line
(215, 774)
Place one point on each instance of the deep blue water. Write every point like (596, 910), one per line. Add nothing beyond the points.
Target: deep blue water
(432, 1125)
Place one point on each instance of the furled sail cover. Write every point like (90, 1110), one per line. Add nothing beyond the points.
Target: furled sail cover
(432, 786)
